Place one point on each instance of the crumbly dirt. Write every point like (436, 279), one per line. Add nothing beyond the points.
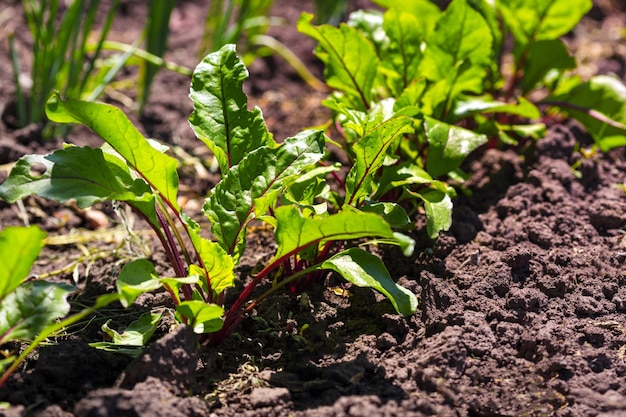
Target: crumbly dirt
(522, 303)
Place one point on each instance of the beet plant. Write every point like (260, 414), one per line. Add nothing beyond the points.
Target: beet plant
(279, 184)
(30, 310)
(445, 69)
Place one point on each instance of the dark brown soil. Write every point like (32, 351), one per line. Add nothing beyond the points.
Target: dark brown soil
(523, 302)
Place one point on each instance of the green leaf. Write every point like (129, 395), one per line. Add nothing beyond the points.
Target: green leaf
(537, 20)
(219, 266)
(459, 50)
(136, 278)
(438, 207)
(84, 174)
(25, 312)
(393, 213)
(350, 59)
(204, 318)
(544, 57)
(156, 168)
(363, 269)
(600, 105)
(425, 10)
(295, 232)
(370, 153)
(486, 105)
(404, 53)
(221, 118)
(137, 333)
(250, 188)
(400, 175)
(19, 248)
(449, 146)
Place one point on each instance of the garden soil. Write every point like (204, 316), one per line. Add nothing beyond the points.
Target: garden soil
(522, 303)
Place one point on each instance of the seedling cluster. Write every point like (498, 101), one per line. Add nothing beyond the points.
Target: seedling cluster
(416, 89)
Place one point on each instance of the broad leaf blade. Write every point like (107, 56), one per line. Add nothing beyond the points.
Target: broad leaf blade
(295, 232)
(370, 153)
(136, 278)
(158, 169)
(449, 146)
(438, 207)
(218, 264)
(251, 187)
(137, 333)
(600, 105)
(366, 270)
(19, 248)
(542, 19)
(426, 11)
(32, 307)
(350, 59)
(543, 57)
(83, 174)
(404, 54)
(459, 49)
(221, 118)
(203, 317)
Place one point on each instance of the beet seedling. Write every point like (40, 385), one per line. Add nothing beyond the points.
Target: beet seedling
(274, 183)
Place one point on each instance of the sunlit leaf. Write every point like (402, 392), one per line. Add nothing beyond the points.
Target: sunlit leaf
(25, 312)
(137, 333)
(600, 105)
(363, 269)
(251, 187)
(370, 153)
(350, 59)
(449, 146)
(221, 118)
(158, 169)
(19, 248)
(203, 317)
(295, 232)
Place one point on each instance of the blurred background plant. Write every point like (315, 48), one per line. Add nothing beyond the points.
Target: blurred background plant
(71, 53)
(61, 58)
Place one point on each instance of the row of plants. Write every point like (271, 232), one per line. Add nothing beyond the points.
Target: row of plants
(416, 89)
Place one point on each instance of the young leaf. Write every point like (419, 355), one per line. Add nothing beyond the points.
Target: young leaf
(203, 317)
(221, 118)
(363, 269)
(393, 213)
(486, 105)
(370, 154)
(137, 333)
(158, 169)
(219, 265)
(449, 145)
(295, 232)
(426, 12)
(349, 57)
(250, 188)
(543, 57)
(136, 278)
(537, 20)
(19, 248)
(438, 207)
(81, 173)
(25, 312)
(404, 54)
(400, 175)
(459, 50)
